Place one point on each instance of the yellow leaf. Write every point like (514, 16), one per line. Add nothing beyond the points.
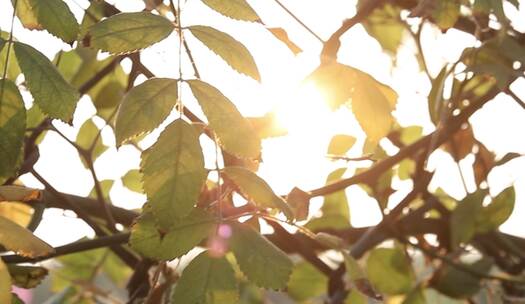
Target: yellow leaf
(21, 240)
(5, 284)
(19, 194)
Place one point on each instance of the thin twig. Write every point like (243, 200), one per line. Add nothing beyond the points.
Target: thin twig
(306, 27)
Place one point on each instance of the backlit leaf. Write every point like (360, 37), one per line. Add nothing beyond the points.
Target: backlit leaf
(19, 193)
(415, 296)
(12, 127)
(13, 70)
(128, 32)
(256, 189)
(497, 212)
(89, 134)
(372, 102)
(236, 9)
(386, 26)
(144, 107)
(306, 282)
(207, 280)
(26, 14)
(446, 13)
(389, 271)
(436, 102)
(233, 131)
(358, 277)
(133, 180)
(27, 276)
(261, 261)
(174, 172)
(183, 235)
(17, 212)
(229, 49)
(5, 284)
(52, 15)
(463, 218)
(281, 34)
(21, 240)
(51, 92)
(340, 144)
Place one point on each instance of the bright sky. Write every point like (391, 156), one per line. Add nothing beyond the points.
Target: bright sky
(299, 158)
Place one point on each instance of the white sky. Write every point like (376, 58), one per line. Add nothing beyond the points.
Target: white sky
(297, 159)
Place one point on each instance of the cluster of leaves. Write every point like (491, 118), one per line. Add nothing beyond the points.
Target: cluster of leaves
(190, 212)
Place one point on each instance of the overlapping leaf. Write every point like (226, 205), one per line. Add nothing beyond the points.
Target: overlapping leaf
(235, 9)
(372, 102)
(27, 276)
(229, 49)
(145, 107)
(389, 271)
(340, 144)
(133, 180)
(256, 189)
(182, 236)
(207, 280)
(12, 127)
(5, 284)
(52, 15)
(386, 26)
(21, 240)
(306, 282)
(128, 32)
(89, 135)
(233, 131)
(261, 261)
(174, 172)
(51, 92)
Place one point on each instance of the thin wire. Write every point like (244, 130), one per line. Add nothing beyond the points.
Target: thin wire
(306, 27)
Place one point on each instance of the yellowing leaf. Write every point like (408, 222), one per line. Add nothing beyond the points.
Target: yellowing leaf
(21, 240)
(19, 193)
(372, 102)
(26, 15)
(145, 107)
(174, 173)
(128, 32)
(261, 261)
(235, 9)
(17, 212)
(87, 135)
(446, 13)
(386, 26)
(207, 280)
(281, 34)
(389, 271)
(229, 49)
(51, 92)
(2, 43)
(133, 180)
(183, 235)
(233, 131)
(256, 189)
(5, 284)
(27, 276)
(52, 15)
(340, 144)
(12, 127)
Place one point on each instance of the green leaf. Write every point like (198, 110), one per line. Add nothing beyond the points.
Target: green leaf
(436, 101)
(355, 297)
(13, 70)
(207, 280)
(463, 218)
(372, 102)
(5, 284)
(389, 271)
(183, 235)
(335, 206)
(174, 172)
(145, 107)
(415, 296)
(233, 131)
(27, 276)
(12, 127)
(256, 189)
(133, 180)
(261, 261)
(20, 240)
(497, 212)
(2, 43)
(52, 15)
(446, 13)
(235, 9)
(128, 32)
(229, 49)
(105, 186)
(358, 278)
(51, 92)
(456, 283)
(306, 282)
(88, 133)
(340, 144)
(385, 25)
